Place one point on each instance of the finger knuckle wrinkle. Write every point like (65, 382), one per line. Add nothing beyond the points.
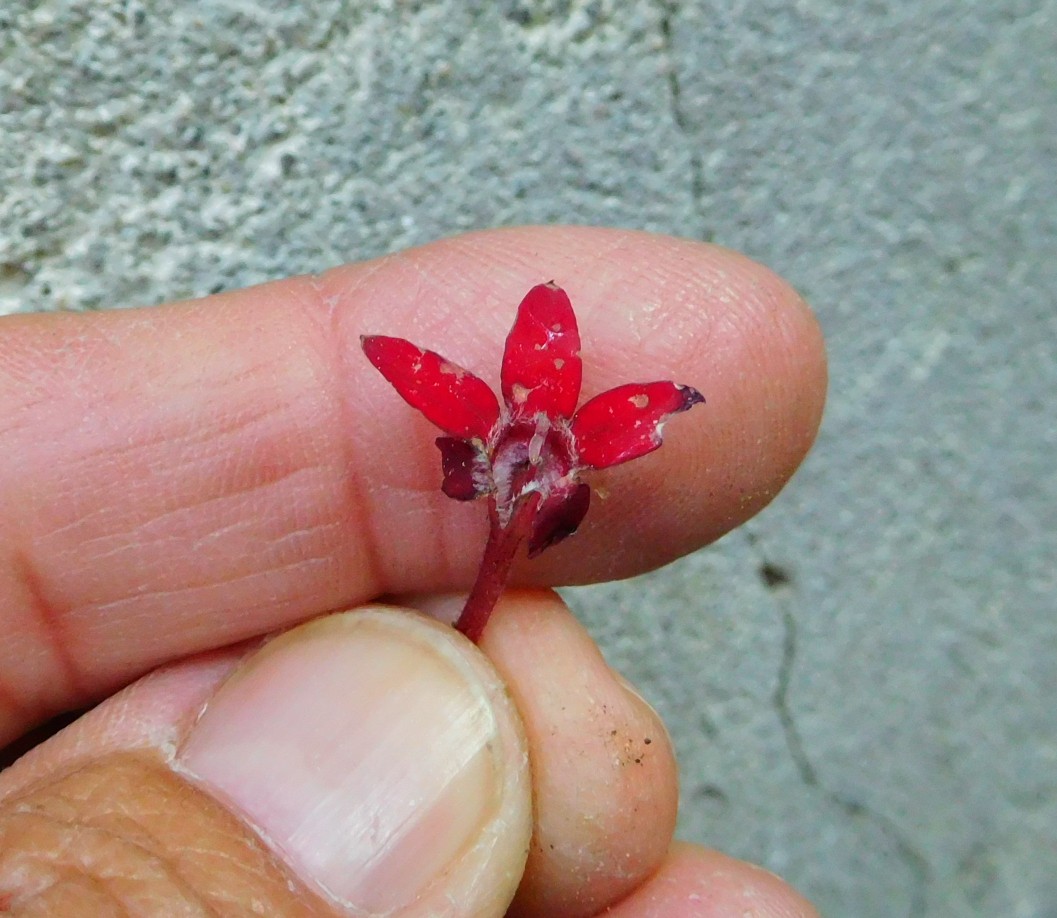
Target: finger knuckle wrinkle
(124, 835)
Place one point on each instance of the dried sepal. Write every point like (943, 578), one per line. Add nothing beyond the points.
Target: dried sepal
(465, 469)
(558, 518)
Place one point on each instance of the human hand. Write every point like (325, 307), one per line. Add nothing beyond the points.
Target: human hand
(179, 480)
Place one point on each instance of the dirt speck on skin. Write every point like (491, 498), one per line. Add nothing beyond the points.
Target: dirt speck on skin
(630, 750)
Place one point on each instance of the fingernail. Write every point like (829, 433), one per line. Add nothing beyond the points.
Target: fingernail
(362, 746)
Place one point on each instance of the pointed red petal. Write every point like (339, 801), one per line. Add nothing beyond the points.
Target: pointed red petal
(625, 423)
(558, 518)
(541, 363)
(452, 398)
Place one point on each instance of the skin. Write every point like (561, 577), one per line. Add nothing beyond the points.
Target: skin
(182, 480)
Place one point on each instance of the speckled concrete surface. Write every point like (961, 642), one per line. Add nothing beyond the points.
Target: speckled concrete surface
(861, 683)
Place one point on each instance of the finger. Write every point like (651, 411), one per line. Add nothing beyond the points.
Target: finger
(694, 882)
(184, 477)
(366, 763)
(603, 770)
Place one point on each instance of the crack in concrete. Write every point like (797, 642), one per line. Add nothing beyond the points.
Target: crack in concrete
(915, 862)
(668, 10)
(779, 582)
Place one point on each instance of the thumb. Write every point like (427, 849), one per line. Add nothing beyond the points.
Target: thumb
(364, 763)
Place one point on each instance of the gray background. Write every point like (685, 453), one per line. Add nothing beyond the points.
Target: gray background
(861, 682)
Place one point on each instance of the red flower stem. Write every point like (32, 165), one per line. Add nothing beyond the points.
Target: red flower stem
(492, 576)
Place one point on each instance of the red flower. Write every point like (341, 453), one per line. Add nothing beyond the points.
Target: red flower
(526, 455)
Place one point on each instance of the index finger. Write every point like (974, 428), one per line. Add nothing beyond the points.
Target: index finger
(179, 478)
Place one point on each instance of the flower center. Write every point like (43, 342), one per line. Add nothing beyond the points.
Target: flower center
(529, 456)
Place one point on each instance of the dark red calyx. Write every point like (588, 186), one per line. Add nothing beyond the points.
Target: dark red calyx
(466, 473)
(531, 455)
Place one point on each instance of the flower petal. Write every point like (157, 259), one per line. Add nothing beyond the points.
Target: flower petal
(452, 398)
(625, 423)
(464, 470)
(558, 517)
(541, 364)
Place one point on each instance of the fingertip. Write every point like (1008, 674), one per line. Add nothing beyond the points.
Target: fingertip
(649, 307)
(695, 882)
(604, 776)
